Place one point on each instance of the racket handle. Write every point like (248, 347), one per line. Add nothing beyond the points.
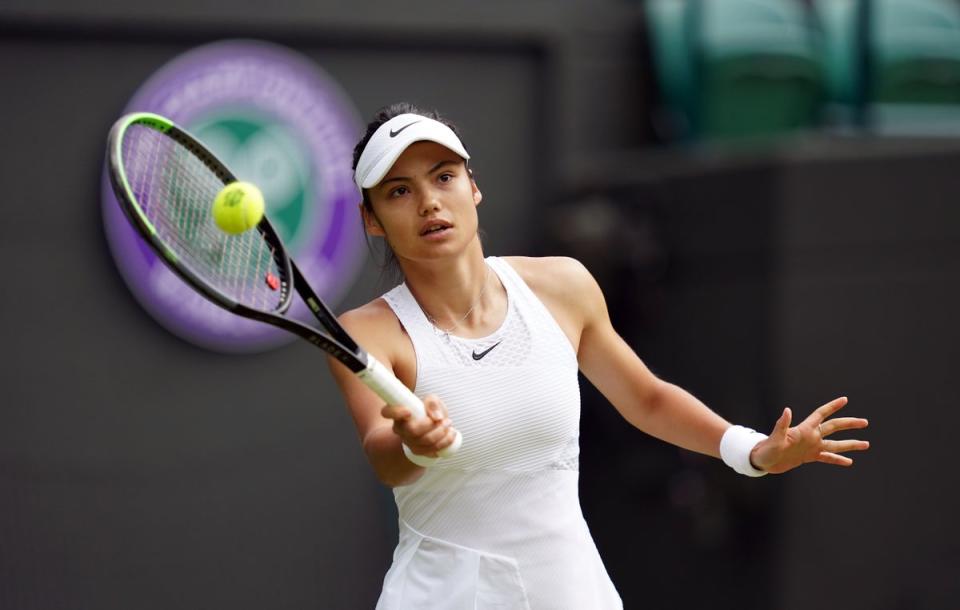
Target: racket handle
(389, 388)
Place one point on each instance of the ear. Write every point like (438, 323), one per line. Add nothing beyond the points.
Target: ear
(370, 222)
(477, 195)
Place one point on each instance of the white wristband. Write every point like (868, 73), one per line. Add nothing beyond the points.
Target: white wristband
(735, 448)
(420, 460)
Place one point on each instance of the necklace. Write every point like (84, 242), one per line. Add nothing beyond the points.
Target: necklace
(446, 331)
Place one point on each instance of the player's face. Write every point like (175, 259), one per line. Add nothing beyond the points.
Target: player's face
(426, 205)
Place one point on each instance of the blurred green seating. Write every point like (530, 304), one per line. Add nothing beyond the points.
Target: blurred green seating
(736, 68)
(914, 66)
(893, 66)
(842, 24)
(916, 51)
(739, 68)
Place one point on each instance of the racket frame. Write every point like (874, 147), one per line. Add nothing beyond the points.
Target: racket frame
(338, 343)
(335, 340)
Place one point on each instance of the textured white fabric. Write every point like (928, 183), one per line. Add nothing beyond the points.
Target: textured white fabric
(499, 524)
(735, 447)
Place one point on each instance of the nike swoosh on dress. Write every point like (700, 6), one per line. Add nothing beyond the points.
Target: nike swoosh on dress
(477, 356)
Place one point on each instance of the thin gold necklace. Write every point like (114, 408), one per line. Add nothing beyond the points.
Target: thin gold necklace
(456, 325)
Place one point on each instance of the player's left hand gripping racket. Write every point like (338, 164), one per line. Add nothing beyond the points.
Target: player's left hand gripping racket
(166, 181)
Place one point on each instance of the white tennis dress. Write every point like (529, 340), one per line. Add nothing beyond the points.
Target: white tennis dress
(498, 525)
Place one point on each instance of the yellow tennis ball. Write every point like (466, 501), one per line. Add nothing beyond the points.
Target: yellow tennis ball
(238, 207)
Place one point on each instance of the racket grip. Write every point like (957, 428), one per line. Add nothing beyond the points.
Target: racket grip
(386, 385)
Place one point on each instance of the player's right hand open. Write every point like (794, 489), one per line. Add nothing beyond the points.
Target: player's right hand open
(425, 435)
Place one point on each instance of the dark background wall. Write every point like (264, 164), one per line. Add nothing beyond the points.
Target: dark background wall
(139, 471)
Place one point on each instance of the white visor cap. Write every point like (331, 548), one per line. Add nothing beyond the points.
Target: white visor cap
(393, 137)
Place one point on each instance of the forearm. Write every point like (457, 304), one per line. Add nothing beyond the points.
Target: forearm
(385, 453)
(676, 416)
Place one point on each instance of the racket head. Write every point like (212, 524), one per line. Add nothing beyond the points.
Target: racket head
(166, 180)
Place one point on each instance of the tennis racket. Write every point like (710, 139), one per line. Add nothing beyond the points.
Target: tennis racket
(166, 181)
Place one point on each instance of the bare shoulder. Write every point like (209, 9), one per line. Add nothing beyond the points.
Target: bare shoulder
(376, 328)
(374, 319)
(553, 276)
(566, 288)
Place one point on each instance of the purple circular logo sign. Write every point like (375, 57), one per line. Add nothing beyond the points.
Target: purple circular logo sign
(277, 120)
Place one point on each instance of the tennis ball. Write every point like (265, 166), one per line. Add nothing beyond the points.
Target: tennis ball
(238, 207)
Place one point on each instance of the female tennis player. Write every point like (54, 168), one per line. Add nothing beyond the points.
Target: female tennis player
(493, 346)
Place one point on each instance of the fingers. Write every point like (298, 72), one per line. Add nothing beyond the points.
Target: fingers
(423, 429)
(435, 408)
(423, 435)
(842, 423)
(832, 458)
(831, 407)
(395, 412)
(449, 436)
(783, 424)
(844, 446)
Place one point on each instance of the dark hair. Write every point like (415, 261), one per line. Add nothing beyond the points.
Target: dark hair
(390, 268)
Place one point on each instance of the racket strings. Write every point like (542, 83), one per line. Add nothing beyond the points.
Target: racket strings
(175, 191)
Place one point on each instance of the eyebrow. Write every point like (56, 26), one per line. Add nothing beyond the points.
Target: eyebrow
(439, 165)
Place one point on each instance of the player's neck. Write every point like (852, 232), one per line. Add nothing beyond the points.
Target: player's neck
(461, 296)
